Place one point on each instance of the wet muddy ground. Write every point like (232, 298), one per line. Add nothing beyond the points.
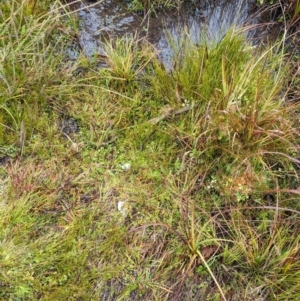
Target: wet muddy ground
(108, 19)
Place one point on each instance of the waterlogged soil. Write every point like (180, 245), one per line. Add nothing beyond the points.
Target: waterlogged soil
(201, 20)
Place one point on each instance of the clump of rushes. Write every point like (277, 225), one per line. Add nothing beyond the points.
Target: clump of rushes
(127, 58)
(238, 119)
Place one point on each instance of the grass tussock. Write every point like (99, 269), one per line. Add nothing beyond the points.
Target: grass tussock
(134, 182)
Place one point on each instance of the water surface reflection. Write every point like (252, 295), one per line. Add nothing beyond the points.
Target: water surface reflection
(109, 19)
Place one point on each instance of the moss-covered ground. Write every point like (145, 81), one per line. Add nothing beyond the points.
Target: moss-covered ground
(133, 182)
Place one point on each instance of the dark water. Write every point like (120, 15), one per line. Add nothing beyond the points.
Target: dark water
(201, 19)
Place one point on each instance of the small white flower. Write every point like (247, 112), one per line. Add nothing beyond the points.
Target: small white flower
(122, 208)
(125, 166)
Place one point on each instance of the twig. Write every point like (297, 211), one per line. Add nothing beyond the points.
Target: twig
(170, 113)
